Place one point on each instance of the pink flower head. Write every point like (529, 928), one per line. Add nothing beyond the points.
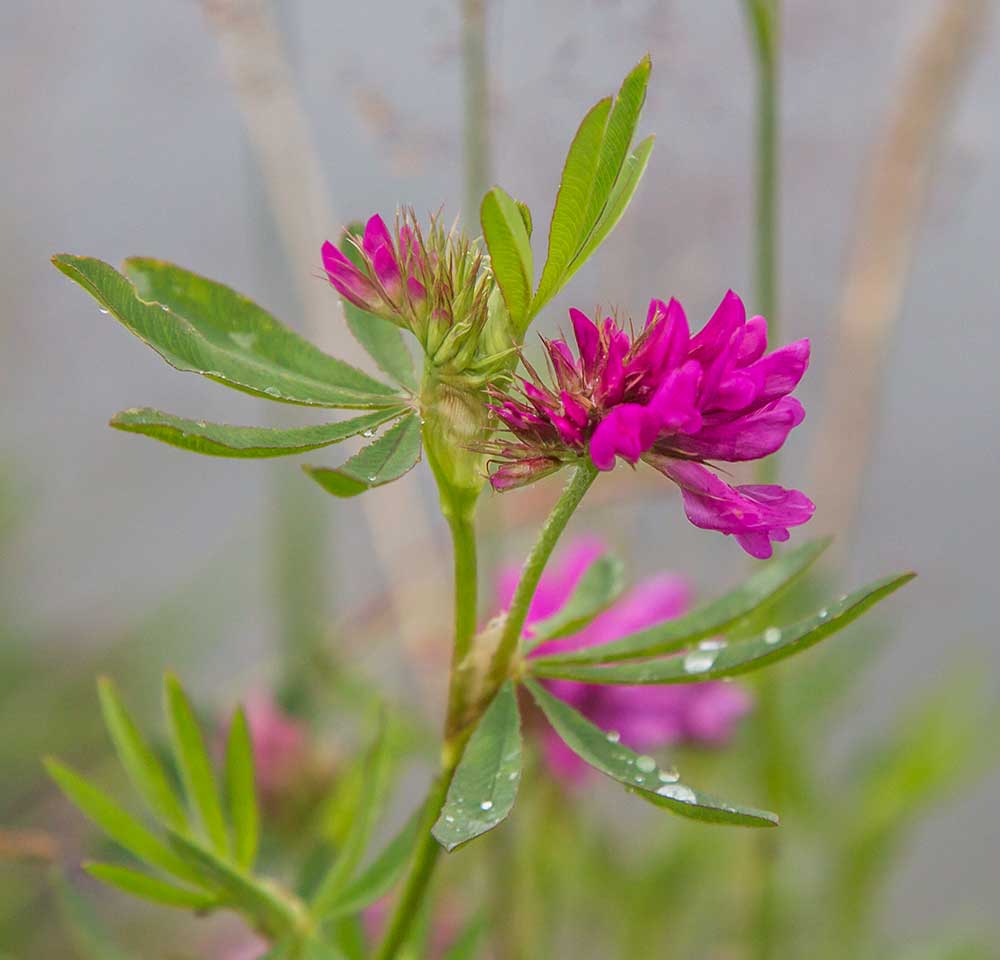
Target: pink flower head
(378, 284)
(646, 717)
(673, 400)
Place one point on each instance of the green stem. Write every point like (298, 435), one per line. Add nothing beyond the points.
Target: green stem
(583, 476)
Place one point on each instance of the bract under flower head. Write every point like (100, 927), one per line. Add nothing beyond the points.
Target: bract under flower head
(434, 282)
(646, 717)
(673, 400)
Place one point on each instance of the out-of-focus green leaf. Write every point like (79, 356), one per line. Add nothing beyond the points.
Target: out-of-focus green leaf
(222, 440)
(382, 340)
(89, 936)
(259, 900)
(484, 788)
(140, 762)
(194, 764)
(120, 826)
(294, 949)
(145, 887)
(599, 587)
(381, 875)
(640, 774)
(393, 454)
(469, 940)
(203, 327)
(715, 617)
(568, 229)
(366, 812)
(240, 791)
(713, 659)
(509, 244)
(621, 196)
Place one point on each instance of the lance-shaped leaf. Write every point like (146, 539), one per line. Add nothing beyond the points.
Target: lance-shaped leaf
(240, 791)
(274, 913)
(382, 340)
(194, 764)
(365, 815)
(222, 440)
(506, 234)
(640, 774)
(140, 762)
(120, 826)
(599, 587)
(380, 876)
(145, 887)
(204, 327)
(714, 659)
(485, 784)
(618, 202)
(713, 618)
(595, 166)
(388, 458)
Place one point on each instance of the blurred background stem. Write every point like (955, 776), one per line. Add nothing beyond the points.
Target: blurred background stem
(764, 22)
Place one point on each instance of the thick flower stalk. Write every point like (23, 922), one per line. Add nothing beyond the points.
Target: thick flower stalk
(644, 717)
(675, 401)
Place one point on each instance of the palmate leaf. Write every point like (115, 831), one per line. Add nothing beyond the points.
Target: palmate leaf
(715, 617)
(598, 181)
(194, 764)
(716, 660)
(505, 231)
(386, 459)
(640, 774)
(201, 326)
(599, 587)
(222, 440)
(382, 340)
(483, 791)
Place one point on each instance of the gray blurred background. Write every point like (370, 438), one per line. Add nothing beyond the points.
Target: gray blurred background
(123, 136)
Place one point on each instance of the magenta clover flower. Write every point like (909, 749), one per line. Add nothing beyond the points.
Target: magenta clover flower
(645, 717)
(675, 401)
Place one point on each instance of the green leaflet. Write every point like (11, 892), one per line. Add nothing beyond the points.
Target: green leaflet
(483, 791)
(141, 764)
(120, 826)
(505, 230)
(203, 327)
(145, 887)
(710, 662)
(194, 764)
(241, 794)
(640, 774)
(386, 459)
(599, 587)
(222, 440)
(715, 617)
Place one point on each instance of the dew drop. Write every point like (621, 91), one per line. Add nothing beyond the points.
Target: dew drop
(486, 805)
(713, 644)
(823, 614)
(369, 433)
(513, 776)
(677, 791)
(105, 312)
(242, 339)
(772, 635)
(645, 763)
(449, 819)
(669, 775)
(698, 661)
(272, 391)
(372, 477)
(614, 736)
(640, 779)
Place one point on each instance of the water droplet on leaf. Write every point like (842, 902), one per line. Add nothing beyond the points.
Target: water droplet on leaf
(669, 775)
(698, 661)
(677, 791)
(614, 736)
(486, 805)
(772, 635)
(645, 763)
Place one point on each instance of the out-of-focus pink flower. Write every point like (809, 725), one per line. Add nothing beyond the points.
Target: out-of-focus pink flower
(279, 742)
(674, 400)
(444, 929)
(250, 948)
(646, 717)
